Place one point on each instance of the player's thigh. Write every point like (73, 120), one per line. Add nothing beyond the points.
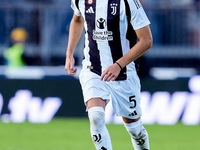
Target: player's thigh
(126, 99)
(95, 91)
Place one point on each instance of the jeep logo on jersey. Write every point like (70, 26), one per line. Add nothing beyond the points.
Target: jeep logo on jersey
(101, 23)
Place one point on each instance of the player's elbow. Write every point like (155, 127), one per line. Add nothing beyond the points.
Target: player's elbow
(149, 42)
(78, 19)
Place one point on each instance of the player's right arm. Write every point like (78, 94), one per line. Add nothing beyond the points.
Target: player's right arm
(75, 31)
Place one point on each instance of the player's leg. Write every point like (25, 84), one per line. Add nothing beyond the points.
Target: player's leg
(99, 132)
(139, 135)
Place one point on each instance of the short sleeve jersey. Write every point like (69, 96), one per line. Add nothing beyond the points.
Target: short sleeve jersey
(109, 31)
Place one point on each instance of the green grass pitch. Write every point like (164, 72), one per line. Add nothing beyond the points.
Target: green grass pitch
(73, 134)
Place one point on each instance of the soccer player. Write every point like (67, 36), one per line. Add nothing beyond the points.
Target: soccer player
(116, 34)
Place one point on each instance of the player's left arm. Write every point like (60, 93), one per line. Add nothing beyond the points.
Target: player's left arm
(145, 42)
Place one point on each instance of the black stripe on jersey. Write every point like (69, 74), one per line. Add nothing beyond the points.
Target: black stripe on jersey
(130, 35)
(137, 4)
(76, 2)
(113, 24)
(93, 49)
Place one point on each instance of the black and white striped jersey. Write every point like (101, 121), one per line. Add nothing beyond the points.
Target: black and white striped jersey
(109, 31)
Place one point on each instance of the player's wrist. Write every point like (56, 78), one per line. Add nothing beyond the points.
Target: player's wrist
(69, 55)
(119, 65)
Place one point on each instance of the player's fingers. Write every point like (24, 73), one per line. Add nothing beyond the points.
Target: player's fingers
(106, 78)
(66, 67)
(103, 75)
(113, 78)
(72, 71)
(71, 68)
(110, 78)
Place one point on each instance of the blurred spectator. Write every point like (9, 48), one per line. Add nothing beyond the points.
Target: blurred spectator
(14, 54)
(194, 23)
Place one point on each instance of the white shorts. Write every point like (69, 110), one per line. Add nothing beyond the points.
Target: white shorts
(125, 95)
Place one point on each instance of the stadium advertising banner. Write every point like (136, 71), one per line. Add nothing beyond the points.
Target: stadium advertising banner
(39, 100)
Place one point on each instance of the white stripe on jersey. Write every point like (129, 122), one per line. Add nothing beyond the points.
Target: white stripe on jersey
(86, 49)
(101, 12)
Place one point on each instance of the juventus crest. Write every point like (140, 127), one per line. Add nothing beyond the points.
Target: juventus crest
(114, 8)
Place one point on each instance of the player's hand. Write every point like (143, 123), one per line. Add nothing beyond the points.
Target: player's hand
(111, 73)
(69, 66)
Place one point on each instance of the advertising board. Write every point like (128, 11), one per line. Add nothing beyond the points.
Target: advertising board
(39, 100)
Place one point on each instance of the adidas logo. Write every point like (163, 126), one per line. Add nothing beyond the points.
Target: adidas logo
(90, 10)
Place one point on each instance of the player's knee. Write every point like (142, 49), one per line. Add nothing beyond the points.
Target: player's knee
(97, 117)
(136, 129)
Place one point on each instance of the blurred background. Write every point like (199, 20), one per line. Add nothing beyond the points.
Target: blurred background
(36, 87)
